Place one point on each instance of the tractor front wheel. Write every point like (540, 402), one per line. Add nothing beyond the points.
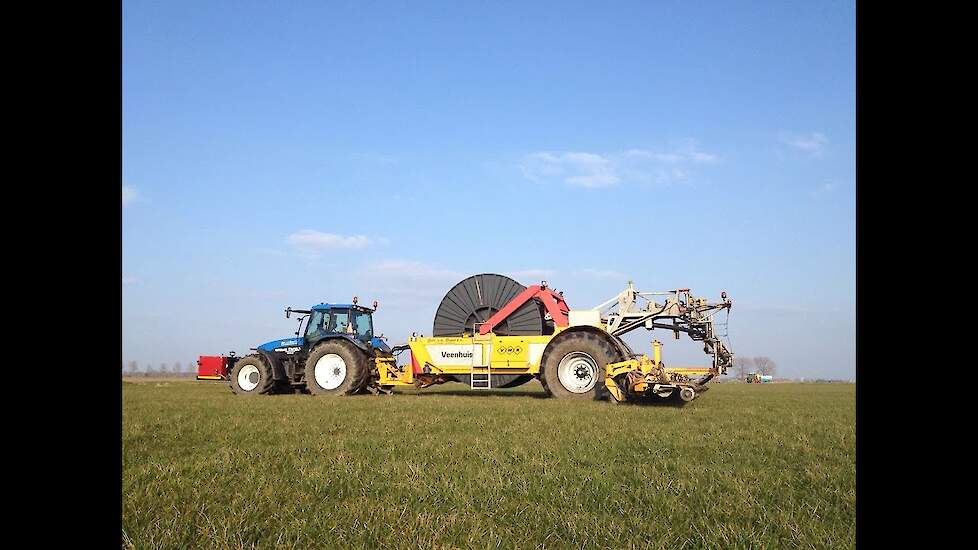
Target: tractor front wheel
(250, 376)
(335, 368)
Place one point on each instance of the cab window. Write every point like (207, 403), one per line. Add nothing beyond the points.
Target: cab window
(315, 324)
(338, 320)
(363, 325)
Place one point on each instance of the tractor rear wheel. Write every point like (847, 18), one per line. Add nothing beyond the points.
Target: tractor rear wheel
(251, 376)
(335, 368)
(574, 366)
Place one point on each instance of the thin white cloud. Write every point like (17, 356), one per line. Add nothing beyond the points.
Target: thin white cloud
(594, 170)
(129, 194)
(574, 168)
(812, 144)
(685, 152)
(317, 240)
(700, 156)
(129, 280)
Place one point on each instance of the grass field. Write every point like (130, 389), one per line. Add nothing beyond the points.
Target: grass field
(744, 466)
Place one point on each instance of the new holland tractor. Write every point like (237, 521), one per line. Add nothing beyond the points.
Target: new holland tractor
(333, 353)
(491, 332)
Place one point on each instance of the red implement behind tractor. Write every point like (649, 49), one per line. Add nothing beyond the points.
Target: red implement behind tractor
(215, 367)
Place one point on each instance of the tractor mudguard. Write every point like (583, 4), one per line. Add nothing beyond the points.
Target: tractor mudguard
(362, 346)
(278, 369)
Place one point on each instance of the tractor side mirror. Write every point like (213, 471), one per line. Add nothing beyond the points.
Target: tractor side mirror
(288, 312)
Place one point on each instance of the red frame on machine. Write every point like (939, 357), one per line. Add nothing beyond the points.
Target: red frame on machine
(553, 301)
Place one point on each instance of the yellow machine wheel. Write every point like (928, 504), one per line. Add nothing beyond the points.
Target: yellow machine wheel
(574, 365)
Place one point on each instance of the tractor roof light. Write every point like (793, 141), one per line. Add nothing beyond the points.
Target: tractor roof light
(376, 304)
(354, 300)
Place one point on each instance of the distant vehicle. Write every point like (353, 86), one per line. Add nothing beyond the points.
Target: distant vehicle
(758, 378)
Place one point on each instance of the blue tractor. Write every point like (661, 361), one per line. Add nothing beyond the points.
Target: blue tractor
(333, 355)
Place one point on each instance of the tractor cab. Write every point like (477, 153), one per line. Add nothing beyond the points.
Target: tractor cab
(325, 321)
(349, 320)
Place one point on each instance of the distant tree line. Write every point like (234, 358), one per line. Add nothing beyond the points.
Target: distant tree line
(133, 368)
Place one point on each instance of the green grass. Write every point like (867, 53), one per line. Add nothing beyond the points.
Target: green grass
(744, 466)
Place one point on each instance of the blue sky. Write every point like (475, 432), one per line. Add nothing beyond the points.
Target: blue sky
(288, 154)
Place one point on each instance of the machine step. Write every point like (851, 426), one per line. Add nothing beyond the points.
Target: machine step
(480, 378)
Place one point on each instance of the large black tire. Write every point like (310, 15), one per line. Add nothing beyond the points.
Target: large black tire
(251, 376)
(343, 370)
(585, 356)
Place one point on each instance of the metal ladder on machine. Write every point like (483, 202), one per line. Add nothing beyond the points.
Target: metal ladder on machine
(480, 378)
(480, 373)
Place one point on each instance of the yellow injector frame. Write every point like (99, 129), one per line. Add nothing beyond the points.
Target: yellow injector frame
(644, 377)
